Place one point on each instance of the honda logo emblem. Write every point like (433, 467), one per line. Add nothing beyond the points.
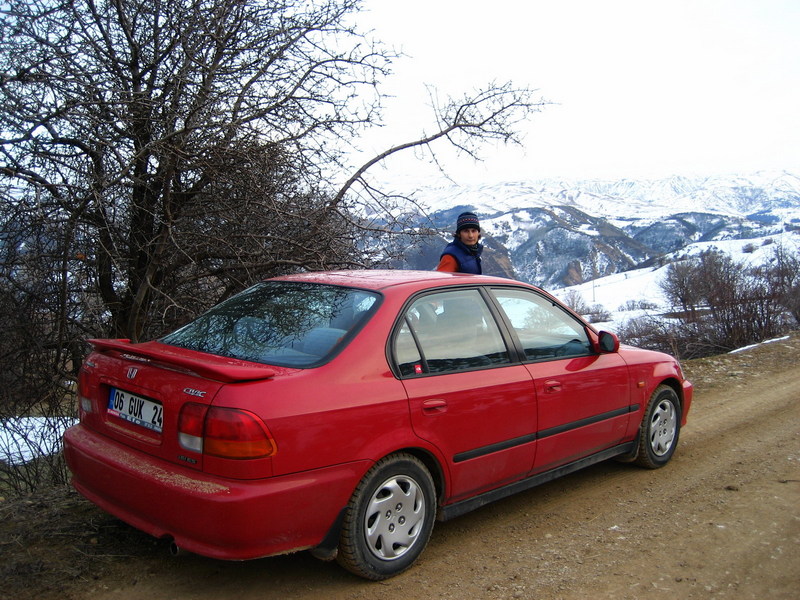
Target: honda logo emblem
(132, 371)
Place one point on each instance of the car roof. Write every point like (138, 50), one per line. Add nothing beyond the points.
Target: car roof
(380, 279)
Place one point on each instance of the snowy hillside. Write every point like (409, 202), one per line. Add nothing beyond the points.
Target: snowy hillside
(616, 293)
(562, 233)
(738, 196)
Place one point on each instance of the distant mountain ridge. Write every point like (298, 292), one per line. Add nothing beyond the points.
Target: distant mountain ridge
(561, 233)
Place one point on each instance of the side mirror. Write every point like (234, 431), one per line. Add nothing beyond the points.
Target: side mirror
(608, 342)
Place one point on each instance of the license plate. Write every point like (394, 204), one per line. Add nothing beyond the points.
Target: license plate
(135, 409)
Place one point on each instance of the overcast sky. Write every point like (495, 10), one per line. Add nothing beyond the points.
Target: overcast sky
(640, 88)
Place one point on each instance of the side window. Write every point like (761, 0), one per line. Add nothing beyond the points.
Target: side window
(544, 330)
(451, 331)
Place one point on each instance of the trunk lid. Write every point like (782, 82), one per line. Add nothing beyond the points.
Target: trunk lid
(134, 393)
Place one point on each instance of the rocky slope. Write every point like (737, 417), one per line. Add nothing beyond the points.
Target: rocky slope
(557, 234)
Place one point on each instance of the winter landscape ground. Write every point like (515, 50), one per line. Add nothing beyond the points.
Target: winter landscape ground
(721, 521)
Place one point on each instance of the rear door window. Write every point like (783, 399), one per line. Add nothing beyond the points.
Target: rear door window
(447, 332)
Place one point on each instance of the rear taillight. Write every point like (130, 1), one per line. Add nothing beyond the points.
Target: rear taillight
(223, 432)
(84, 402)
(190, 426)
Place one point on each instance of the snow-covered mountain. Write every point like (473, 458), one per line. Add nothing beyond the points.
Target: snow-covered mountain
(562, 233)
(635, 293)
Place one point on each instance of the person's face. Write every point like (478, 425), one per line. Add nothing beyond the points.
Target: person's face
(469, 236)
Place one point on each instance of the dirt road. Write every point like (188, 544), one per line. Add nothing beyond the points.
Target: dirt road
(722, 520)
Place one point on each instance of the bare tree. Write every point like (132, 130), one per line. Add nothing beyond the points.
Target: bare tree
(490, 115)
(783, 273)
(726, 304)
(157, 156)
(680, 288)
(176, 151)
(129, 123)
(575, 300)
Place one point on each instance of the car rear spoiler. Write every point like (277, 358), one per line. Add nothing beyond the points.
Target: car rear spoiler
(226, 370)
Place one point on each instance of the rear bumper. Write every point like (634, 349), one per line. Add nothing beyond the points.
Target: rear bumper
(208, 515)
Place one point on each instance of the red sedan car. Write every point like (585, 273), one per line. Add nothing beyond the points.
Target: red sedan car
(345, 412)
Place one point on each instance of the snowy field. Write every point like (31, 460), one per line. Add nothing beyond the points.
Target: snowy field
(643, 286)
(24, 438)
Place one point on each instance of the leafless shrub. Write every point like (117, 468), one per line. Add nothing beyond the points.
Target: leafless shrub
(679, 338)
(574, 300)
(783, 276)
(722, 304)
(36, 397)
(631, 305)
(598, 313)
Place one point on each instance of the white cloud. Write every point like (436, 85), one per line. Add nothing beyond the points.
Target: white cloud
(643, 88)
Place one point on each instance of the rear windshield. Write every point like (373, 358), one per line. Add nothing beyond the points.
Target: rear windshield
(280, 323)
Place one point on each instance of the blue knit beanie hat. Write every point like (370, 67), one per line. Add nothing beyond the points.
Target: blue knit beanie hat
(467, 220)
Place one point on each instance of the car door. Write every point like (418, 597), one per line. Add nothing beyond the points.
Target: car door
(583, 398)
(466, 396)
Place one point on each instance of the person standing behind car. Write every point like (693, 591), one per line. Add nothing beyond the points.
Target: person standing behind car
(463, 254)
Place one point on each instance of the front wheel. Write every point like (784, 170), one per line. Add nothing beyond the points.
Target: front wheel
(389, 518)
(660, 428)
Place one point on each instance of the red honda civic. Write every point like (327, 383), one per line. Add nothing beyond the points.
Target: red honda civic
(345, 412)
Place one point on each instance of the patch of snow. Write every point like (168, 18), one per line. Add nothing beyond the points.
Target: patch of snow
(743, 348)
(24, 438)
(621, 293)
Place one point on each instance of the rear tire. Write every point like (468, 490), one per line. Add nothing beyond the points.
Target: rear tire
(389, 518)
(660, 428)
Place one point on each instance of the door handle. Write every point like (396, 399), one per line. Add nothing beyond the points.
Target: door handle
(434, 406)
(551, 386)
